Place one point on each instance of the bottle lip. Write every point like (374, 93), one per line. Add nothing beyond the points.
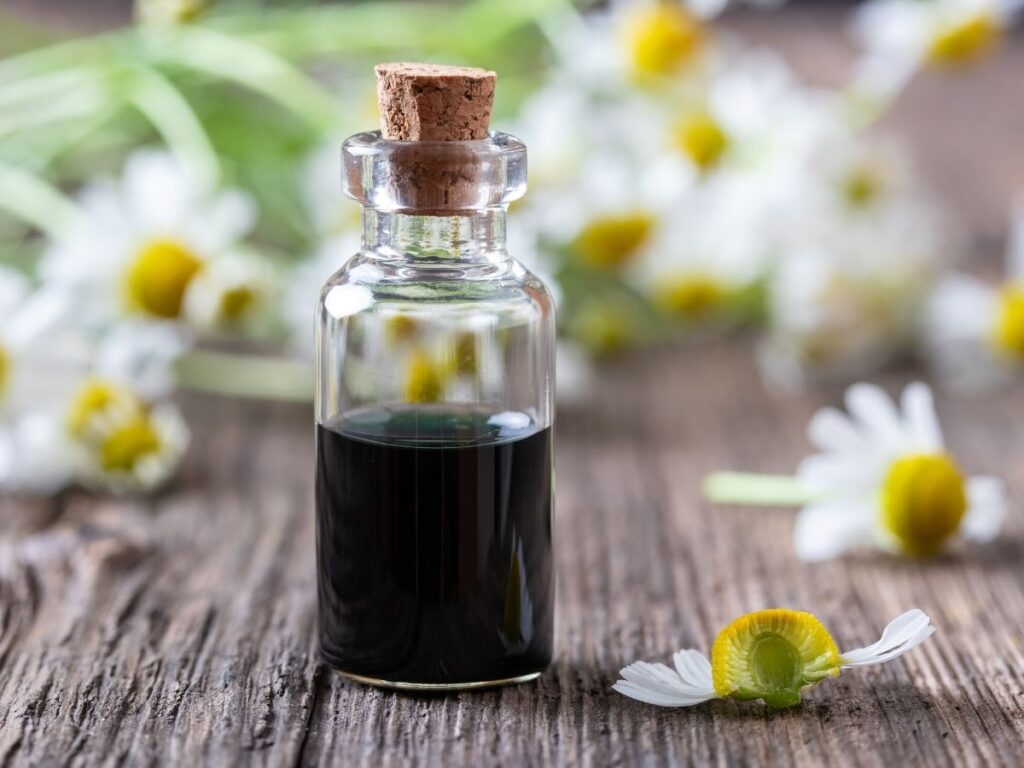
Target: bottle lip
(434, 177)
(497, 142)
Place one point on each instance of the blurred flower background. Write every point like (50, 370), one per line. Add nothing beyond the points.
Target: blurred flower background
(170, 201)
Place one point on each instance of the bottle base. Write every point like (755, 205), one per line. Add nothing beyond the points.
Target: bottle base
(398, 685)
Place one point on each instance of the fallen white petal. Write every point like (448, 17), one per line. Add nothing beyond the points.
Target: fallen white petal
(906, 631)
(689, 684)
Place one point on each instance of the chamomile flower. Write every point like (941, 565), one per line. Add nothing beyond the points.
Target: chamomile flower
(901, 36)
(705, 261)
(774, 655)
(974, 331)
(145, 241)
(751, 112)
(40, 358)
(39, 352)
(885, 479)
(231, 293)
(124, 443)
(660, 40)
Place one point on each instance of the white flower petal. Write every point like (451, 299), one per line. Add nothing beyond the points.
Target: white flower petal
(694, 669)
(36, 455)
(875, 410)
(831, 430)
(906, 631)
(920, 418)
(827, 530)
(846, 473)
(689, 684)
(986, 508)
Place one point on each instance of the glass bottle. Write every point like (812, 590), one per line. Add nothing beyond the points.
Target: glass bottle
(434, 407)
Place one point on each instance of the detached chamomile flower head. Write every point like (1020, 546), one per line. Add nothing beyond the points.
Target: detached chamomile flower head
(773, 655)
(143, 242)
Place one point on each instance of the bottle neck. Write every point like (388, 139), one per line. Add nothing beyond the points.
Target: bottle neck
(473, 237)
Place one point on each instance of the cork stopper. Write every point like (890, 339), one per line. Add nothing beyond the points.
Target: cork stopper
(434, 102)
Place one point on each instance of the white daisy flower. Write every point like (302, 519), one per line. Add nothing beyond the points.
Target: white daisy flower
(974, 331)
(230, 293)
(124, 443)
(901, 36)
(144, 241)
(708, 256)
(612, 214)
(885, 479)
(642, 42)
(773, 655)
(36, 454)
(39, 353)
(752, 112)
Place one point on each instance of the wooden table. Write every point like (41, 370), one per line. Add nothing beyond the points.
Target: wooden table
(181, 629)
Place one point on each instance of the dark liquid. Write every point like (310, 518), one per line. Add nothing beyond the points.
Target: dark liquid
(434, 545)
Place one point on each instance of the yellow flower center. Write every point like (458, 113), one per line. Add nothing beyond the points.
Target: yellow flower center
(701, 139)
(862, 186)
(127, 444)
(235, 302)
(772, 655)
(95, 398)
(693, 297)
(399, 328)
(613, 241)
(424, 381)
(169, 11)
(966, 41)
(1008, 334)
(923, 502)
(663, 39)
(602, 327)
(466, 354)
(5, 372)
(157, 280)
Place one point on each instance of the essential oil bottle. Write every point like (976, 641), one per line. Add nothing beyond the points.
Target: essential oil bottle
(434, 405)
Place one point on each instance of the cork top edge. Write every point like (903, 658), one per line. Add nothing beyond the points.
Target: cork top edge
(434, 102)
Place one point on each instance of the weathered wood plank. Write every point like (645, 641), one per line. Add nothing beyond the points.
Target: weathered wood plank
(181, 630)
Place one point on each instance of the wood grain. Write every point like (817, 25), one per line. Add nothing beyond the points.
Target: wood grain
(180, 630)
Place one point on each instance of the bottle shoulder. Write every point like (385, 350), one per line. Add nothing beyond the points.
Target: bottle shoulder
(378, 280)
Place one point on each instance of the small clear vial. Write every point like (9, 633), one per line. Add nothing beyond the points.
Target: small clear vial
(434, 408)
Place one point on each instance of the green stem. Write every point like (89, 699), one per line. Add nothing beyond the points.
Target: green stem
(174, 119)
(756, 489)
(251, 66)
(35, 201)
(248, 376)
